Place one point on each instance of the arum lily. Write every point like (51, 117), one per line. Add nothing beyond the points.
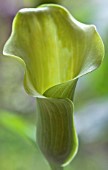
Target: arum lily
(56, 50)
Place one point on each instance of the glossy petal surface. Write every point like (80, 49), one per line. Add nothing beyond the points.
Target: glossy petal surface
(54, 46)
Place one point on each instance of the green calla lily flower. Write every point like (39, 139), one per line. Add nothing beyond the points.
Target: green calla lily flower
(56, 50)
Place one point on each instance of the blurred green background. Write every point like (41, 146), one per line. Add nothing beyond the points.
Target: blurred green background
(18, 150)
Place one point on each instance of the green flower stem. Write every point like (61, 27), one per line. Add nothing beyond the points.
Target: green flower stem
(57, 141)
(56, 167)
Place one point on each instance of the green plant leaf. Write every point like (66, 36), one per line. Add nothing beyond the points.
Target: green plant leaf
(56, 50)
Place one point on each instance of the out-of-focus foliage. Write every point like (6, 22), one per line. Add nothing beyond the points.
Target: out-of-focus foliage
(91, 98)
(17, 125)
(38, 2)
